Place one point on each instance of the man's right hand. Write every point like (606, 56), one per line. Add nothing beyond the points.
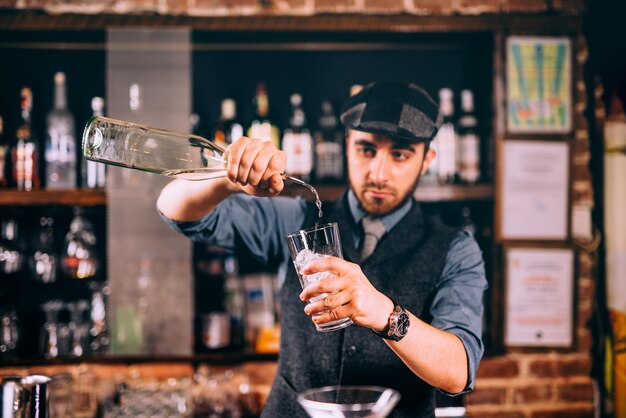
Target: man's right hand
(256, 167)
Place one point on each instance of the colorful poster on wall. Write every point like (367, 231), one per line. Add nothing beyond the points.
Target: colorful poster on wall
(538, 85)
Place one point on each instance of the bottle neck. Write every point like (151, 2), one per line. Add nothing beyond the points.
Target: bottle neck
(60, 98)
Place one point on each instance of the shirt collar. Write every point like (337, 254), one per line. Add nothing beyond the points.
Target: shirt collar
(390, 220)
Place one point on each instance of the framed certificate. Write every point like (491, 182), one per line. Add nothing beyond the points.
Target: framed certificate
(534, 191)
(538, 85)
(539, 307)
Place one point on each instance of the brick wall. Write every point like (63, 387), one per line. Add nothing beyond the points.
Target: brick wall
(522, 383)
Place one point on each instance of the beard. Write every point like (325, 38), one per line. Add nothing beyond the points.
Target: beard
(383, 206)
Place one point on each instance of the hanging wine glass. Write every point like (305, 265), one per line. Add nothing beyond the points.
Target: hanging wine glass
(11, 256)
(80, 260)
(43, 262)
(50, 329)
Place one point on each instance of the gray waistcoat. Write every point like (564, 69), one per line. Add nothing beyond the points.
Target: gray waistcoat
(406, 265)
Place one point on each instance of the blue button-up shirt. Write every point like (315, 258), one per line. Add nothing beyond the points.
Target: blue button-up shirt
(261, 224)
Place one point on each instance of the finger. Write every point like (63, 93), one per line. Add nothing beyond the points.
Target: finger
(235, 151)
(336, 314)
(276, 164)
(331, 301)
(335, 265)
(247, 160)
(276, 184)
(329, 285)
(261, 166)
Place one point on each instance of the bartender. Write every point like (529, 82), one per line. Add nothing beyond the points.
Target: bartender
(412, 285)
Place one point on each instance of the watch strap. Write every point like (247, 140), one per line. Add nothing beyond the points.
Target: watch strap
(385, 333)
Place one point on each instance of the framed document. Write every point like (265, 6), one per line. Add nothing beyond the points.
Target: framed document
(538, 85)
(534, 191)
(539, 307)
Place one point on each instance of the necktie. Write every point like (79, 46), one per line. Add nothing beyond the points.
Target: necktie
(373, 230)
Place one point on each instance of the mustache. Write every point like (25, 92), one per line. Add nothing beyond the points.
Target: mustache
(378, 188)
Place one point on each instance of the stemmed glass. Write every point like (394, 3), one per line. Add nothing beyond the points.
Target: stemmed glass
(50, 330)
(79, 328)
(43, 262)
(11, 257)
(9, 333)
(80, 260)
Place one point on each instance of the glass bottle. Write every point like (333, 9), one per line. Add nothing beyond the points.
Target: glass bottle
(43, 262)
(469, 141)
(93, 173)
(297, 142)
(262, 127)
(328, 146)
(80, 260)
(227, 129)
(25, 154)
(60, 152)
(173, 154)
(446, 139)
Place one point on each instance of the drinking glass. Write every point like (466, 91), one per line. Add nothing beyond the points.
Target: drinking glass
(349, 401)
(312, 244)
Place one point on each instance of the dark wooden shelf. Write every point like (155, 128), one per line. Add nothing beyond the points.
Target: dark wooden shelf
(225, 357)
(78, 197)
(402, 23)
(423, 193)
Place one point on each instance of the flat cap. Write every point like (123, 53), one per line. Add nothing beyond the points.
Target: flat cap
(400, 110)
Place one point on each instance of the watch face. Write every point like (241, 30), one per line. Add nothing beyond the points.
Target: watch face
(403, 324)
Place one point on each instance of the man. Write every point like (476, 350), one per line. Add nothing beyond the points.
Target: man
(416, 300)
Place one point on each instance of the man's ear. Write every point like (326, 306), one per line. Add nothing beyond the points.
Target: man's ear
(428, 158)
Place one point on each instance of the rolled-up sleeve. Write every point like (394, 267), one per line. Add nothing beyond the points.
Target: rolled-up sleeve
(258, 224)
(458, 303)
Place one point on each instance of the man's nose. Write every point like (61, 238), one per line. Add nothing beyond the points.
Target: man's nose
(378, 168)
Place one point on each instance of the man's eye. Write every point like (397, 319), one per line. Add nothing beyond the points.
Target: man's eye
(400, 156)
(368, 152)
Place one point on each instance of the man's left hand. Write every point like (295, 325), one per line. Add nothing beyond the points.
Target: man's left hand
(350, 295)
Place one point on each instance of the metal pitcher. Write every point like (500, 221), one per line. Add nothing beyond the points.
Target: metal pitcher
(24, 397)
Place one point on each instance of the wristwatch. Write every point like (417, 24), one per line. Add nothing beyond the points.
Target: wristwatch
(398, 325)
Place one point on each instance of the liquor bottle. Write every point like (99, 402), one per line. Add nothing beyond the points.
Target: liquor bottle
(261, 127)
(93, 173)
(227, 129)
(60, 152)
(469, 141)
(25, 154)
(4, 146)
(173, 154)
(328, 146)
(297, 142)
(446, 139)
